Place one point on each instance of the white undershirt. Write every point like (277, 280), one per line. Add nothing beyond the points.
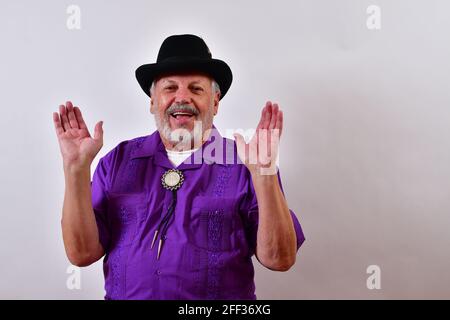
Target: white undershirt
(177, 157)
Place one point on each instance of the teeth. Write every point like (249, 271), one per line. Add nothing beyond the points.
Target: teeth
(182, 114)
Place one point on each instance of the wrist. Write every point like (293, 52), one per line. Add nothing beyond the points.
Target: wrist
(261, 172)
(76, 168)
(259, 177)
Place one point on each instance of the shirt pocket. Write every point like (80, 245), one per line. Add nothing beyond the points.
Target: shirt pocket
(126, 211)
(212, 222)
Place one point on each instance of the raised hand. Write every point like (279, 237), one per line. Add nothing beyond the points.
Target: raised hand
(260, 154)
(77, 147)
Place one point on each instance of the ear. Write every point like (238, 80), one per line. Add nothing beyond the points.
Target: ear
(216, 103)
(152, 106)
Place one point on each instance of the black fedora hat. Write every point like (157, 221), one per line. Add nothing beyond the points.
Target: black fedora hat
(184, 53)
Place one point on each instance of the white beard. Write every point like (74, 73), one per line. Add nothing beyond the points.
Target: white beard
(182, 138)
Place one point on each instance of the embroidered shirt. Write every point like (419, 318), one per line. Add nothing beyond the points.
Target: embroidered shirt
(211, 240)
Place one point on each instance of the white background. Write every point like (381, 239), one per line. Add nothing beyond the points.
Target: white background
(365, 152)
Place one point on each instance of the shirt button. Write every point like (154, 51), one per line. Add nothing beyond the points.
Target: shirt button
(158, 272)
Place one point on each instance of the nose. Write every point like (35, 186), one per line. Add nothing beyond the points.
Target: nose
(183, 95)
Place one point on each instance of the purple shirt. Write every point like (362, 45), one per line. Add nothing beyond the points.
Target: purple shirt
(209, 244)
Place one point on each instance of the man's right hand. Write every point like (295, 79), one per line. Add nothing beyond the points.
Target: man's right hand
(77, 147)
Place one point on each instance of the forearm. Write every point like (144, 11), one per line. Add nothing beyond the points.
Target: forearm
(80, 233)
(276, 239)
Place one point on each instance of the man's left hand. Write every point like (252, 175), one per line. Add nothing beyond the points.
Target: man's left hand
(260, 154)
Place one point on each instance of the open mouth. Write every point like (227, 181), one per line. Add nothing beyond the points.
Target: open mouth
(182, 115)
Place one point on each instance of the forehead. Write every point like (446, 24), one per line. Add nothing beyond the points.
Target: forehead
(186, 77)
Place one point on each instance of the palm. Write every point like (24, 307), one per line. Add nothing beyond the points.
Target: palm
(262, 150)
(76, 144)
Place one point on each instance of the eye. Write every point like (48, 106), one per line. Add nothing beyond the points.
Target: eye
(170, 88)
(197, 89)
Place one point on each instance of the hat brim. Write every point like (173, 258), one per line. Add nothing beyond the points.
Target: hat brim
(217, 69)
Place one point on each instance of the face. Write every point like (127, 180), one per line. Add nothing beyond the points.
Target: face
(181, 101)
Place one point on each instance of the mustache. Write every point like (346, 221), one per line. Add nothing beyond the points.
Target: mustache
(182, 108)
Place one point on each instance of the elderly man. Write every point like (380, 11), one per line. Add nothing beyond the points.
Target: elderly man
(178, 214)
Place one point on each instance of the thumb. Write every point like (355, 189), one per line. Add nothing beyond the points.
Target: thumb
(241, 146)
(98, 131)
(239, 138)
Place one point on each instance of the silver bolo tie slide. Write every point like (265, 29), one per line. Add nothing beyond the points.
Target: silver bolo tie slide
(171, 180)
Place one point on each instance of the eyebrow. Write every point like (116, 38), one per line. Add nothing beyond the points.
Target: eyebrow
(173, 81)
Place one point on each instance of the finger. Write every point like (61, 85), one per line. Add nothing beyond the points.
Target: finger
(57, 122)
(276, 133)
(266, 121)
(279, 124)
(241, 147)
(272, 122)
(274, 143)
(64, 119)
(79, 118)
(273, 118)
(261, 120)
(268, 115)
(71, 115)
(98, 131)
(263, 146)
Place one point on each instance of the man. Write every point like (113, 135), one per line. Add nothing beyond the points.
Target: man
(184, 233)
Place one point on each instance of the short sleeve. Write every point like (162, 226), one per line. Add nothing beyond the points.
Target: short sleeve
(250, 215)
(99, 186)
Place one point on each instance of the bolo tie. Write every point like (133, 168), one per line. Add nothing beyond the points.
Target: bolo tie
(171, 180)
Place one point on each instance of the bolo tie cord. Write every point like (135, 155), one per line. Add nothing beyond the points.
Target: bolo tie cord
(165, 222)
(171, 180)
